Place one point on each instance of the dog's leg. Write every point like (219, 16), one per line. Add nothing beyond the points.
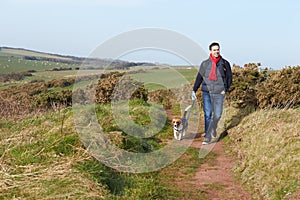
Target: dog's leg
(179, 136)
(175, 135)
(184, 131)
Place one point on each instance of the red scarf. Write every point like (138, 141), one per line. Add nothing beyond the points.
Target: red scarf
(213, 72)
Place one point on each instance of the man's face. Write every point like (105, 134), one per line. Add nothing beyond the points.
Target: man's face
(215, 51)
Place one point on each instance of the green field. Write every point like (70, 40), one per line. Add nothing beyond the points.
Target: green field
(157, 78)
(23, 52)
(171, 77)
(10, 64)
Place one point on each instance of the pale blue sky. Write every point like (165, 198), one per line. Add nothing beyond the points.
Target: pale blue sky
(265, 31)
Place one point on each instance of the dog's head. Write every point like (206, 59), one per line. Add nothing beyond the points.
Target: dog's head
(176, 122)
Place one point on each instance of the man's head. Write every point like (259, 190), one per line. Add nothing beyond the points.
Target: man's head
(214, 49)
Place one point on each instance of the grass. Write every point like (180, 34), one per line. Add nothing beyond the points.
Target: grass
(153, 79)
(266, 143)
(23, 52)
(165, 78)
(42, 159)
(49, 75)
(139, 113)
(16, 64)
(37, 160)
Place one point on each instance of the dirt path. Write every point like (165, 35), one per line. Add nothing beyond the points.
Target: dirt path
(215, 177)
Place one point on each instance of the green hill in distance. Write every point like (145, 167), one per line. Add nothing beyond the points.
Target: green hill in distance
(21, 52)
(20, 59)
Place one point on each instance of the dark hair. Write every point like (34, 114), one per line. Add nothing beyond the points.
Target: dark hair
(213, 44)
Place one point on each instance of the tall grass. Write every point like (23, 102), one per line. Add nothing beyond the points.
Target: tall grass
(37, 158)
(43, 158)
(267, 143)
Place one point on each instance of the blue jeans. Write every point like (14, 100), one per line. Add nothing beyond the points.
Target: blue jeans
(213, 108)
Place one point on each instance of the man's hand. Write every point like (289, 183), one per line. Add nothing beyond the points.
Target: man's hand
(193, 95)
(223, 92)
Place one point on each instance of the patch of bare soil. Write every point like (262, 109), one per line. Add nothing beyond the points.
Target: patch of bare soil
(215, 177)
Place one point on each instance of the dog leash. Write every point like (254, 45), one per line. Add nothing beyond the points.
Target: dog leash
(186, 116)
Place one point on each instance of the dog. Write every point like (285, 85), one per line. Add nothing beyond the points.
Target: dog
(179, 128)
(180, 124)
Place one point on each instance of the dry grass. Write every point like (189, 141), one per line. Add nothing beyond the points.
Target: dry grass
(55, 181)
(37, 161)
(267, 145)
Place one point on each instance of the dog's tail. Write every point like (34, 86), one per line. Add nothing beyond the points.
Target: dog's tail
(186, 111)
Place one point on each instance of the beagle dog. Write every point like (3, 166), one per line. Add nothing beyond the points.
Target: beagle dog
(178, 128)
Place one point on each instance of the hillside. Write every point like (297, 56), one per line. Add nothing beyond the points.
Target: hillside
(21, 52)
(266, 144)
(19, 59)
(42, 154)
(44, 157)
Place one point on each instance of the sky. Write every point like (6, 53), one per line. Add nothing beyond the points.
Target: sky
(259, 31)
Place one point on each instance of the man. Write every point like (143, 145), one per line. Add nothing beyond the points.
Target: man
(216, 78)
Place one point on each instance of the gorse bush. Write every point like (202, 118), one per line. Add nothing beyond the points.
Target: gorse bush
(53, 99)
(60, 83)
(251, 87)
(281, 89)
(242, 92)
(18, 101)
(36, 96)
(163, 96)
(118, 87)
(15, 76)
(257, 88)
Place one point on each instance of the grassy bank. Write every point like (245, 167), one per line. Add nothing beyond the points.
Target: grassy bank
(267, 145)
(42, 157)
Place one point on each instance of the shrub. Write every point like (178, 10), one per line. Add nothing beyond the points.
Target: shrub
(281, 89)
(54, 99)
(163, 96)
(257, 88)
(116, 87)
(15, 76)
(60, 83)
(242, 92)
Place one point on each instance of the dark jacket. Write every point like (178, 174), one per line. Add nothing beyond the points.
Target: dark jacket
(224, 77)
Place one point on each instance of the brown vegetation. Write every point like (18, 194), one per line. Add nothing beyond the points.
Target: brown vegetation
(281, 89)
(257, 88)
(251, 87)
(16, 76)
(115, 87)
